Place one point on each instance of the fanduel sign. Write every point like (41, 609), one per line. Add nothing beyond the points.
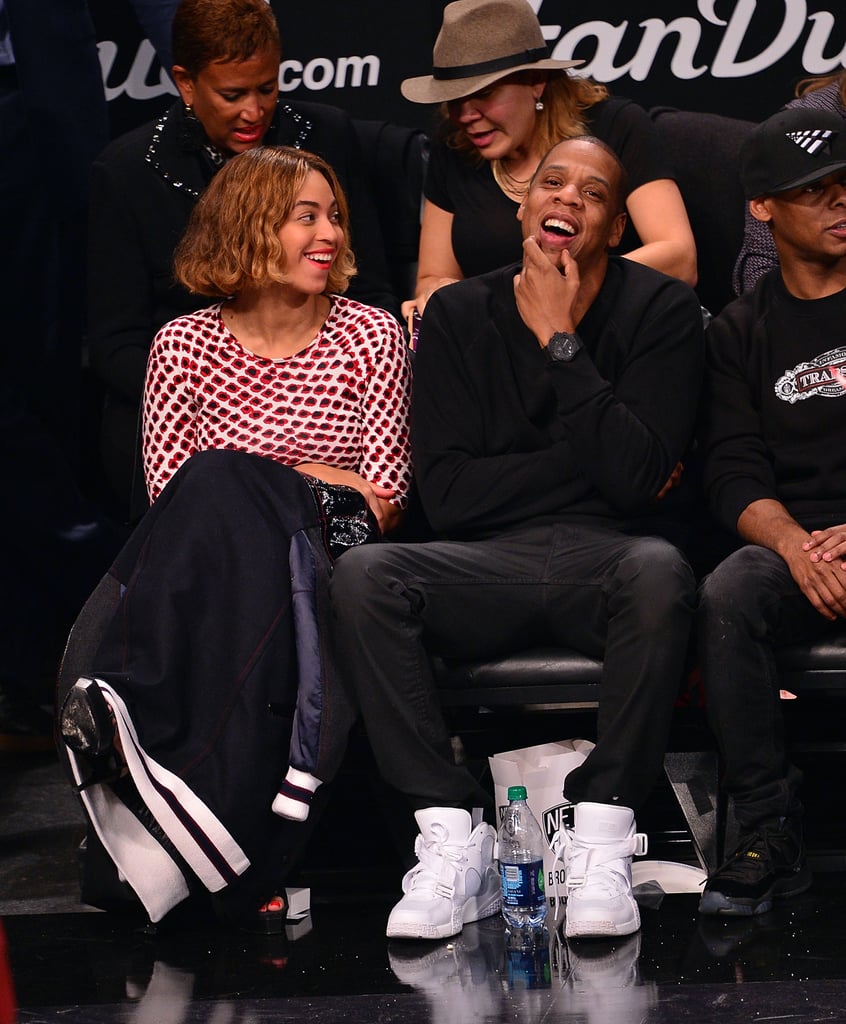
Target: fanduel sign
(684, 53)
(788, 25)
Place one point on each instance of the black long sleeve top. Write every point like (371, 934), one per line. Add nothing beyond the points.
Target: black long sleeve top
(503, 439)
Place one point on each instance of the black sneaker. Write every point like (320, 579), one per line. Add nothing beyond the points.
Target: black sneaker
(768, 864)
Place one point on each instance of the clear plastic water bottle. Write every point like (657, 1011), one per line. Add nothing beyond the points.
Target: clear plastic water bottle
(521, 846)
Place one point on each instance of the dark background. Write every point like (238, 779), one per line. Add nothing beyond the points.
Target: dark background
(742, 58)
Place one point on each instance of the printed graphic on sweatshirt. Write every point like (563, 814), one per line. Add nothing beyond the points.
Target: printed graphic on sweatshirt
(823, 377)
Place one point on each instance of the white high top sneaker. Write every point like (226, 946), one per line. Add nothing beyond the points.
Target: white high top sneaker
(455, 880)
(597, 855)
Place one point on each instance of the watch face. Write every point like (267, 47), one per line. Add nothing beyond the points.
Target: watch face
(562, 347)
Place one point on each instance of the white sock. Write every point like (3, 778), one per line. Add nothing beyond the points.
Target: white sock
(294, 797)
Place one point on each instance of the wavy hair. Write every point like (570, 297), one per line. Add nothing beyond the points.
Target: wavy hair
(565, 100)
(210, 31)
(232, 237)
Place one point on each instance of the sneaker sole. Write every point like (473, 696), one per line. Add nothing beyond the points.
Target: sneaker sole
(600, 929)
(738, 906)
(717, 903)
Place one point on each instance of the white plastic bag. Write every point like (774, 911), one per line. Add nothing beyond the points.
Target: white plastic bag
(542, 770)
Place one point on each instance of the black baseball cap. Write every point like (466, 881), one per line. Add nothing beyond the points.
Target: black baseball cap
(793, 147)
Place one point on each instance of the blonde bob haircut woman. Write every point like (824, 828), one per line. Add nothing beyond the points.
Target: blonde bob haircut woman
(232, 237)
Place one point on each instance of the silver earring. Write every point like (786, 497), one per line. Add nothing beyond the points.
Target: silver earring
(539, 105)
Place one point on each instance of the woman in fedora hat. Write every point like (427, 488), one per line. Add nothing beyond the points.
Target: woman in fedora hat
(504, 103)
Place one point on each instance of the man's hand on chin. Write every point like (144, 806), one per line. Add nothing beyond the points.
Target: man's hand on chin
(545, 290)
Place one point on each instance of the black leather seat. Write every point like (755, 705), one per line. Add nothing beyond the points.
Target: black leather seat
(565, 678)
(817, 668)
(544, 675)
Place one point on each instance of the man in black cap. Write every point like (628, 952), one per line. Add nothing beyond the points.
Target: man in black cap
(774, 441)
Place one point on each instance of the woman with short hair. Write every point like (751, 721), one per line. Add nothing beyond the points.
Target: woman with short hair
(145, 184)
(201, 703)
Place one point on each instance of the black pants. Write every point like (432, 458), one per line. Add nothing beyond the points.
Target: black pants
(748, 606)
(628, 600)
(195, 628)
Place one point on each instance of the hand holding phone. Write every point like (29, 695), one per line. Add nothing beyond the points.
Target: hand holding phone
(414, 328)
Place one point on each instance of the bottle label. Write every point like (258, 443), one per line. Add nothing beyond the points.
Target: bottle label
(522, 884)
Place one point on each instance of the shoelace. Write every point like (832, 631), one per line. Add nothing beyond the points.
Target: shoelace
(740, 862)
(589, 863)
(436, 864)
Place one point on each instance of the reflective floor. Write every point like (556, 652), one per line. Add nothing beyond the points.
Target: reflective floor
(71, 964)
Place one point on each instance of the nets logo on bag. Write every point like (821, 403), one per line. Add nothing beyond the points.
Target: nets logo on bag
(555, 818)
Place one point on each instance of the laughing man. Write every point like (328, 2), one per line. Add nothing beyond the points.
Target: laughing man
(553, 401)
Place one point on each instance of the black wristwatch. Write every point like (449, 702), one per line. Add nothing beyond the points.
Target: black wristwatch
(562, 347)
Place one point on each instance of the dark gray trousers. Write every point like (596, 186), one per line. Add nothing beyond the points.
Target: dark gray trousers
(626, 599)
(748, 607)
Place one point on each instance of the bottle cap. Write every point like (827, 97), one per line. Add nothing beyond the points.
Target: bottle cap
(516, 792)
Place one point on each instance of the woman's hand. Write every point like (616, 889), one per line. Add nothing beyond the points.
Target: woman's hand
(409, 308)
(388, 515)
(426, 287)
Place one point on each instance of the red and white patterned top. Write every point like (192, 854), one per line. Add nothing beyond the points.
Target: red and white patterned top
(342, 401)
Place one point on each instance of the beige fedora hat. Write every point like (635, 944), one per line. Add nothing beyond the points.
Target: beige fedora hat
(481, 41)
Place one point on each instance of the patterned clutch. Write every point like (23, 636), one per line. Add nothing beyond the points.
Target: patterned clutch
(347, 519)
